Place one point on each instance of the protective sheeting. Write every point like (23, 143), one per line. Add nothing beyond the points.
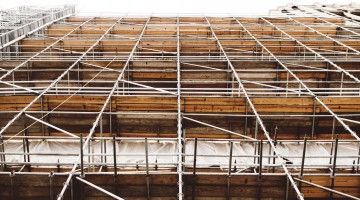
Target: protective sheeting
(316, 153)
(209, 154)
(128, 152)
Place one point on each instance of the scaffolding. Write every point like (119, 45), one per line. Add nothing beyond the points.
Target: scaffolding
(17, 23)
(182, 107)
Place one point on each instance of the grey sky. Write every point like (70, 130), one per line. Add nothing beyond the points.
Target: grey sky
(246, 7)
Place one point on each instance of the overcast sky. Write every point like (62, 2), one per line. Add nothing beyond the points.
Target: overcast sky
(245, 7)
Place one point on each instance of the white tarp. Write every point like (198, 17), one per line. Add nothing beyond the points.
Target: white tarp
(209, 153)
